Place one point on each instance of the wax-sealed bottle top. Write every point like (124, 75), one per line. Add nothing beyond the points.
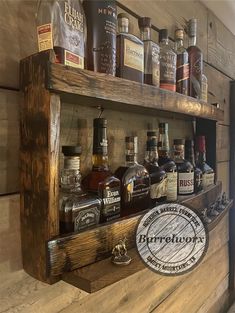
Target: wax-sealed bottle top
(192, 27)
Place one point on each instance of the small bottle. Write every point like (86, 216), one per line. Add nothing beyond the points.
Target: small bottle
(208, 174)
(100, 180)
(167, 62)
(182, 67)
(167, 163)
(130, 52)
(101, 35)
(195, 61)
(151, 53)
(61, 25)
(189, 156)
(185, 169)
(158, 177)
(204, 89)
(135, 181)
(78, 210)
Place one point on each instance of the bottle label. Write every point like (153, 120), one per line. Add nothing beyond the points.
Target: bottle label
(133, 55)
(137, 191)
(155, 65)
(111, 204)
(171, 186)
(168, 71)
(86, 218)
(208, 179)
(72, 59)
(182, 73)
(158, 190)
(45, 41)
(195, 76)
(185, 183)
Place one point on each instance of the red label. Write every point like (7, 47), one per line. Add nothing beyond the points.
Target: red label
(44, 29)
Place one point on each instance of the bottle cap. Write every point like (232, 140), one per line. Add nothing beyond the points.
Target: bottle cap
(177, 142)
(163, 126)
(179, 34)
(100, 122)
(123, 20)
(163, 34)
(71, 150)
(144, 22)
(192, 27)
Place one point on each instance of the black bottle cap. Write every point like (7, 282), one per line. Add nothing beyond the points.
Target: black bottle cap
(144, 22)
(100, 122)
(163, 34)
(179, 142)
(163, 125)
(71, 150)
(152, 144)
(151, 133)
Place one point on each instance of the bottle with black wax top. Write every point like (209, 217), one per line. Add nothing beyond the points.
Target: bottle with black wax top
(167, 163)
(101, 35)
(158, 177)
(185, 169)
(135, 181)
(100, 180)
(190, 156)
(78, 210)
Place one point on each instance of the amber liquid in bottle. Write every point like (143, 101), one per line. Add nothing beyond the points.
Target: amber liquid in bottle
(100, 180)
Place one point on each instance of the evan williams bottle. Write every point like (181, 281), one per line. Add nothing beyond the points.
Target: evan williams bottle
(185, 169)
(101, 35)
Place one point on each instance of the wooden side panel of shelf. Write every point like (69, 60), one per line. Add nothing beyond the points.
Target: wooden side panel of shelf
(39, 160)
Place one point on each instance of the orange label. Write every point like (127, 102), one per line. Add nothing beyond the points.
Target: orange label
(168, 87)
(45, 41)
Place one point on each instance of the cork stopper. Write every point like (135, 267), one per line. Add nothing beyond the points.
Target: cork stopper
(144, 22)
(123, 20)
(179, 34)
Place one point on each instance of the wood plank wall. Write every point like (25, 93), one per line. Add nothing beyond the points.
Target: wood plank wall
(157, 294)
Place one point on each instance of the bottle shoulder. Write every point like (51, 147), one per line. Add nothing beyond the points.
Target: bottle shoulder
(194, 50)
(185, 166)
(131, 171)
(131, 37)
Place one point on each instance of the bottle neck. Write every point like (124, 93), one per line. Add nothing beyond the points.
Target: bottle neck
(178, 153)
(189, 156)
(151, 156)
(201, 157)
(164, 42)
(163, 144)
(145, 33)
(192, 41)
(71, 176)
(131, 159)
(179, 44)
(100, 162)
(123, 29)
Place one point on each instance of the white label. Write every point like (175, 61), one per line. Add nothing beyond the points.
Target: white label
(186, 183)
(45, 40)
(208, 179)
(158, 190)
(171, 186)
(133, 55)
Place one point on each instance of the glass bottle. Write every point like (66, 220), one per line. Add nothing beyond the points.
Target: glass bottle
(182, 67)
(189, 156)
(185, 169)
(151, 53)
(135, 181)
(195, 61)
(100, 180)
(61, 25)
(157, 174)
(204, 89)
(167, 163)
(78, 210)
(101, 35)
(167, 62)
(208, 174)
(130, 52)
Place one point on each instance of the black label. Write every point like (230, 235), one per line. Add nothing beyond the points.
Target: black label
(111, 204)
(86, 218)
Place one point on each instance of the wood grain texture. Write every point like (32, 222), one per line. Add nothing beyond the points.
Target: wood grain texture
(223, 175)
(222, 143)
(40, 130)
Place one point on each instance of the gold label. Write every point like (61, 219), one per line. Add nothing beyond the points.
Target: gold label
(171, 186)
(45, 41)
(133, 55)
(73, 60)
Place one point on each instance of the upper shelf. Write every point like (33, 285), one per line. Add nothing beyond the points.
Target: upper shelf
(115, 93)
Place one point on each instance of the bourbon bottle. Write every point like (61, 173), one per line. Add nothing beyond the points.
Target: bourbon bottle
(130, 52)
(101, 35)
(135, 181)
(78, 210)
(100, 180)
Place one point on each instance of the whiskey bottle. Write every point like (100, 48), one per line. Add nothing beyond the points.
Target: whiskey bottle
(208, 174)
(130, 52)
(135, 181)
(195, 61)
(101, 35)
(167, 163)
(189, 156)
(100, 180)
(185, 169)
(151, 53)
(61, 26)
(204, 88)
(182, 67)
(158, 177)
(167, 62)
(78, 210)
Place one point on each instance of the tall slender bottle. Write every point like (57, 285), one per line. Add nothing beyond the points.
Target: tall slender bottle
(167, 163)
(101, 35)
(182, 67)
(167, 62)
(135, 181)
(100, 180)
(195, 61)
(130, 52)
(151, 53)
(158, 177)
